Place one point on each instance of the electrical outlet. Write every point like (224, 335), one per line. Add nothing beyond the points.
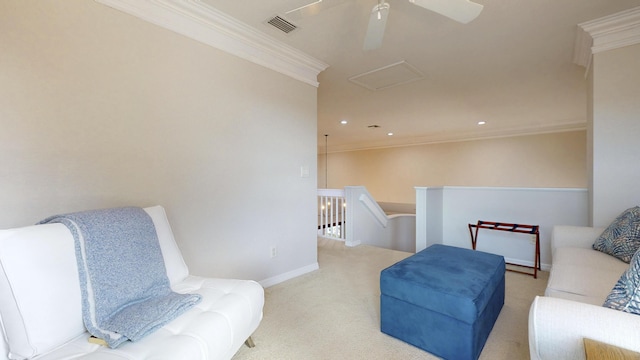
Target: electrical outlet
(274, 251)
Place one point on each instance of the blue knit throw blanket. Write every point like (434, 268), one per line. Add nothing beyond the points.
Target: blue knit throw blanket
(125, 289)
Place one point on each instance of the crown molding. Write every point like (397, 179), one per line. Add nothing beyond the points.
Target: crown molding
(203, 23)
(606, 33)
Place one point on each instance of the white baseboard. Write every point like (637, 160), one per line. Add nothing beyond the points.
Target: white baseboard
(288, 275)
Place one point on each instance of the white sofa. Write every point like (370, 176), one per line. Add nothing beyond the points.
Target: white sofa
(40, 303)
(580, 281)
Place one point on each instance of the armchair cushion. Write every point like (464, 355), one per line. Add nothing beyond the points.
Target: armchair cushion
(125, 290)
(622, 238)
(214, 329)
(177, 270)
(38, 262)
(574, 278)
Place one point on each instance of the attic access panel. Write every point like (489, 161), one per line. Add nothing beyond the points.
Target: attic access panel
(388, 76)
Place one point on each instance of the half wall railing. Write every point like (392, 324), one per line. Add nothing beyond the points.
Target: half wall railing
(443, 215)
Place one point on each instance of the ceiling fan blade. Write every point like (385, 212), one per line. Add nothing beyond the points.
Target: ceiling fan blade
(311, 8)
(462, 11)
(377, 24)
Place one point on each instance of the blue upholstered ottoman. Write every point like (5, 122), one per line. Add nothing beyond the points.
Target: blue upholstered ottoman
(443, 299)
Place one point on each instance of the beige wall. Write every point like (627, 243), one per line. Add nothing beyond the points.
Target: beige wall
(390, 174)
(100, 109)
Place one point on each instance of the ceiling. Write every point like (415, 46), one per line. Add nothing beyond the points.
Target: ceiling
(511, 67)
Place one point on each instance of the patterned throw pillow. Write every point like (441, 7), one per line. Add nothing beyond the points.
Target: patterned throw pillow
(622, 238)
(625, 295)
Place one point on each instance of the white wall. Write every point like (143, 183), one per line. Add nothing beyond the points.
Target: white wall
(616, 132)
(100, 109)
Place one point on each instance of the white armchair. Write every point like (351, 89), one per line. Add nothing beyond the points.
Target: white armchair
(41, 312)
(571, 310)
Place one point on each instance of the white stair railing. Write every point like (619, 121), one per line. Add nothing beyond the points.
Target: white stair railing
(364, 222)
(331, 213)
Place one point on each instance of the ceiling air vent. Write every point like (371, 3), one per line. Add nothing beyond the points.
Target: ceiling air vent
(282, 24)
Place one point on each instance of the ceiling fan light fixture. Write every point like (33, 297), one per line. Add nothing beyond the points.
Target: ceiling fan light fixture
(377, 24)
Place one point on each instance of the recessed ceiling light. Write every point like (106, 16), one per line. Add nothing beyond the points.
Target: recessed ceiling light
(344, 122)
(390, 134)
(481, 122)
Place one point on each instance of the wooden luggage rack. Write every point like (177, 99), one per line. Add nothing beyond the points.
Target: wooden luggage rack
(517, 228)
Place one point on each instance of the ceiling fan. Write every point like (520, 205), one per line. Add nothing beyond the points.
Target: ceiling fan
(462, 11)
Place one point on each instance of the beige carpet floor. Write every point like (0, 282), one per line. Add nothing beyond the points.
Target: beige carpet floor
(334, 312)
